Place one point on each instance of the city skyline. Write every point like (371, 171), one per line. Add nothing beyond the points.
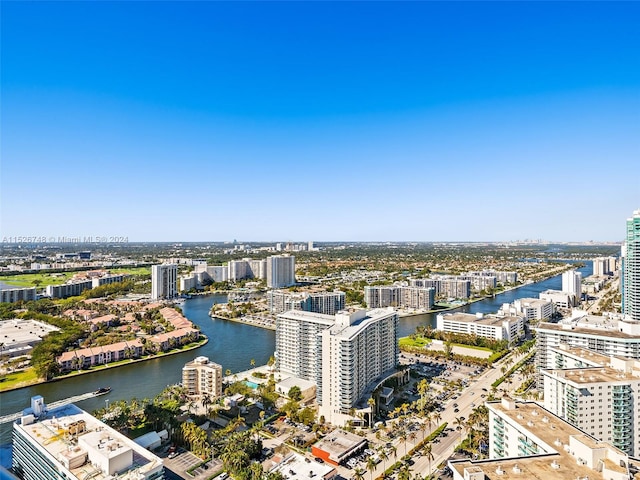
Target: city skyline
(400, 122)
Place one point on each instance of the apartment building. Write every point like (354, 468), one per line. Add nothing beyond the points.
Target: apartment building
(164, 281)
(449, 286)
(202, 377)
(558, 298)
(601, 401)
(358, 349)
(11, 295)
(605, 335)
(631, 269)
(509, 328)
(281, 271)
(328, 303)
(533, 308)
(67, 443)
(572, 285)
(527, 441)
(343, 353)
(399, 296)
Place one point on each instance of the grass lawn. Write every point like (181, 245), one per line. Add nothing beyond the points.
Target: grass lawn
(472, 347)
(132, 271)
(27, 279)
(18, 379)
(418, 342)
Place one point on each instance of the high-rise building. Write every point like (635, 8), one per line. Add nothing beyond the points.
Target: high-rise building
(602, 335)
(281, 271)
(164, 281)
(415, 297)
(631, 269)
(66, 443)
(328, 303)
(343, 354)
(202, 377)
(528, 442)
(298, 344)
(357, 349)
(598, 400)
(572, 284)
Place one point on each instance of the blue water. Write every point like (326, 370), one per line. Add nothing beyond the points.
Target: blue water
(233, 345)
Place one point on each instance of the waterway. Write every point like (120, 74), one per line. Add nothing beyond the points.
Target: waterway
(231, 344)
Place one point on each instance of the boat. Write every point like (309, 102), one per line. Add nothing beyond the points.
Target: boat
(102, 390)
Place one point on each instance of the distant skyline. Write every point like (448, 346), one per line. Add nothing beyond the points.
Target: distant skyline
(325, 121)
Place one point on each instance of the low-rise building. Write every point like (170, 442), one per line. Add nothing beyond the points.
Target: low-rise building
(559, 299)
(509, 328)
(338, 446)
(296, 467)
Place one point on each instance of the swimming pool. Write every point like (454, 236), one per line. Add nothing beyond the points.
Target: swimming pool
(252, 385)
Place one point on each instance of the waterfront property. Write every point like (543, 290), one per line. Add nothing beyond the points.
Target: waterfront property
(67, 443)
(202, 377)
(164, 280)
(342, 354)
(495, 327)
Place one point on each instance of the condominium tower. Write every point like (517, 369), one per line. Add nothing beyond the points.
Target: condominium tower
(164, 281)
(631, 269)
(343, 354)
(281, 271)
(600, 400)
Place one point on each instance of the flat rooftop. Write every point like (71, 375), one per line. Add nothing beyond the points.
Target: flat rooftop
(339, 444)
(593, 375)
(555, 434)
(20, 332)
(490, 320)
(601, 329)
(587, 355)
(67, 432)
(297, 467)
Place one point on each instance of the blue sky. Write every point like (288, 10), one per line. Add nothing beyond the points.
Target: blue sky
(327, 121)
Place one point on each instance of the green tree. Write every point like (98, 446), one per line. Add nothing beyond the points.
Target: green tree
(295, 393)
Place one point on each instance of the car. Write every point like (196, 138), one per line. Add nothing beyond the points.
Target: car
(172, 455)
(318, 459)
(456, 410)
(455, 405)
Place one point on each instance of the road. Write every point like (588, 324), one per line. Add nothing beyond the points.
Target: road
(445, 446)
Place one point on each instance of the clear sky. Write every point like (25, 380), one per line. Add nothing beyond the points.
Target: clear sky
(320, 121)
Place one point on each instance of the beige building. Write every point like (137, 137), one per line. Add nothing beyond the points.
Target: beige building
(202, 377)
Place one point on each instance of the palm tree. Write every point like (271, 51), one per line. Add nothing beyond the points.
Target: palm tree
(394, 451)
(371, 466)
(423, 429)
(384, 457)
(412, 437)
(372, 403)
(358, 474)
(460, 425)
(403, 437)
(428, 452)
(404, 473)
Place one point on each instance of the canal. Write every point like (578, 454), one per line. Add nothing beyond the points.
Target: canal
(233, 345)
